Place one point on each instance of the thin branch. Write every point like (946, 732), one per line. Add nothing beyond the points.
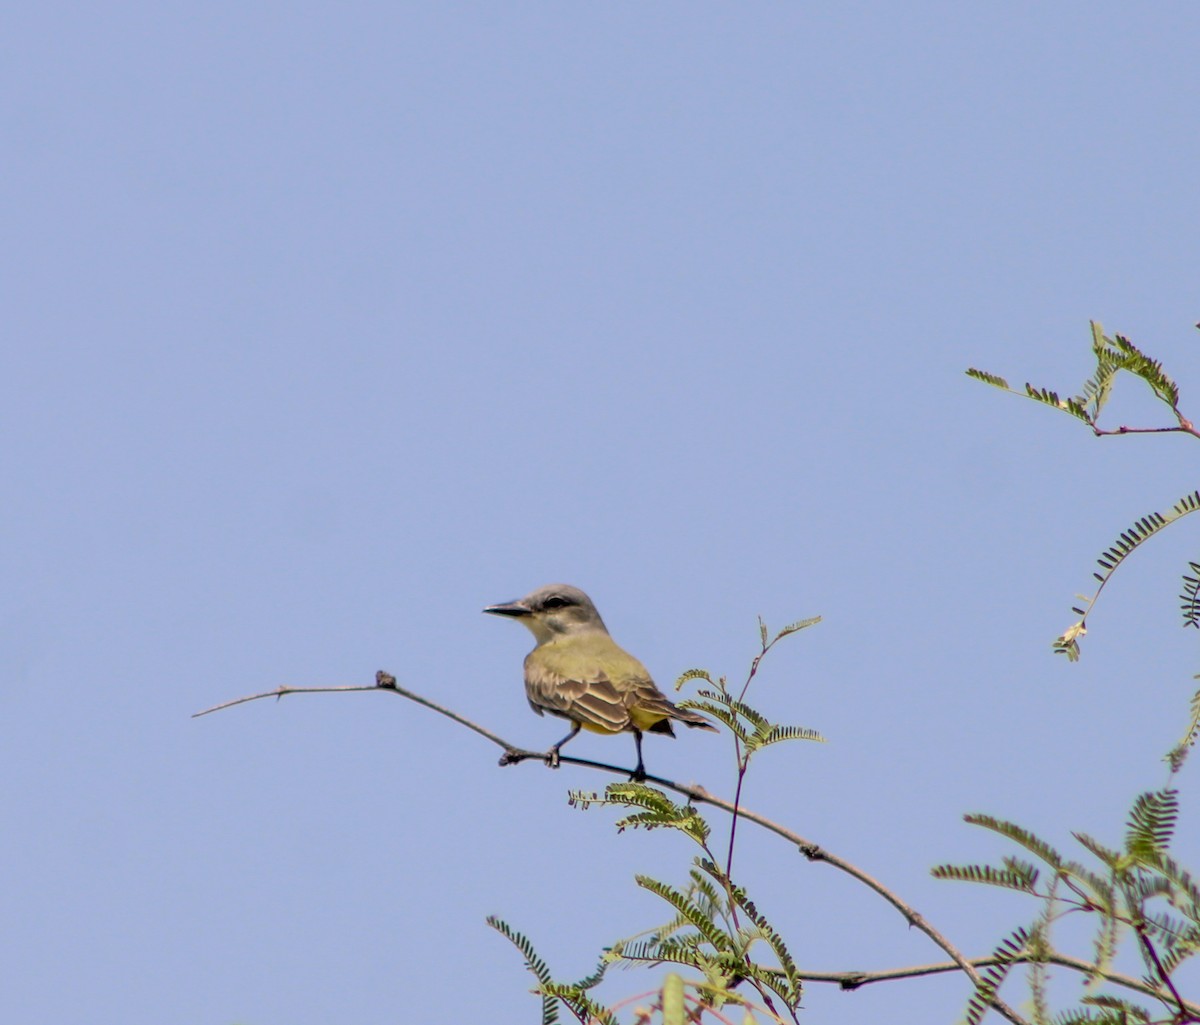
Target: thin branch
(814, 852)
(853, 980)
(278, 693)
(1185, 427)
(387, 682)
(1152, 955)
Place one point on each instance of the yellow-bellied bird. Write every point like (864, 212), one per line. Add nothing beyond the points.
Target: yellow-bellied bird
(578, 672)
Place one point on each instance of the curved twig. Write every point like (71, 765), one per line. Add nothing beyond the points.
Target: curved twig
(513, 755)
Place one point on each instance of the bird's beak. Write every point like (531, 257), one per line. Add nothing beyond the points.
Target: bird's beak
(511, 608)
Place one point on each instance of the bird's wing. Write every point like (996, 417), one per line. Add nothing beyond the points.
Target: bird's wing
(599, 685)
(593, 702)
(650, 709)
(646, 703)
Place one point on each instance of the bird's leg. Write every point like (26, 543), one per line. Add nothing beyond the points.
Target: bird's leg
(639, 773)
(552, 754)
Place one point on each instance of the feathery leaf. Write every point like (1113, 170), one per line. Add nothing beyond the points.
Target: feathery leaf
(1112, 557)
(536, 965)
(1190, 596)
(688, 909)
(1179, 752)
(1117, 1010)
(992, 379)
(721, 712)
(787, 966)
(1107, 855)
(1017, 834)
(1005, 877)
(800, 624)
(778, 733)
(1151, 824)
(991, 978)
(584, 1007)
(693, 674)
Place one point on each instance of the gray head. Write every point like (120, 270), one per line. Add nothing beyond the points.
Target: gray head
(552, 611)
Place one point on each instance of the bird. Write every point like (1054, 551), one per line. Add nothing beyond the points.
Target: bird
(578, 672)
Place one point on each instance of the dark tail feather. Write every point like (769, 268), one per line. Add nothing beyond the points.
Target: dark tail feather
(692, 720)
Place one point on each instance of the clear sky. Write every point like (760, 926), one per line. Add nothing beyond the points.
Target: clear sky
(328, 325)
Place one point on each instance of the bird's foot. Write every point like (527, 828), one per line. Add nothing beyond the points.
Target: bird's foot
(638, 775)
(551, 758)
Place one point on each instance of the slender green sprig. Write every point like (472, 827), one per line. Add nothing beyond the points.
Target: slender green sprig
(1113, 356)
(1121, 548)
(751, 730)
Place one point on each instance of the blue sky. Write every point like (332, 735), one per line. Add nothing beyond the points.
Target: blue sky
(328, 326)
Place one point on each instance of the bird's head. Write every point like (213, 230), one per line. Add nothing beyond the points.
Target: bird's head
(553, 611)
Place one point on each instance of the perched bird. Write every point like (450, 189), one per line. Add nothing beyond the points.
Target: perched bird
(578, 672)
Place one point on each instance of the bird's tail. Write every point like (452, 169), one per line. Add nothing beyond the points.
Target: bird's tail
(688, 718)
(692, 719)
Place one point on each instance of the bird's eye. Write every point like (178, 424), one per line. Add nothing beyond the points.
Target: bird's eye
(555, 602)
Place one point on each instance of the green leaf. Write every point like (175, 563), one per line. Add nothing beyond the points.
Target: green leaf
(583, 1006)
(1009, 878)
(1124, 546)
(1110, 857)
(787, 966)
(800, 624)
(721, 712)
(1190, 597)
(689, 910)
(693, 674)
(1128, 1013)
(1149, 370)
(1151, 824)
(775, 734)
(1013, 832)
(991, 977)
(1051, 398)
(1179, 752)
(533, 962)
(751, 715)
(1104, 946)
(658, 811)
(986, 378)
(1187, 504)
(1186, 895)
